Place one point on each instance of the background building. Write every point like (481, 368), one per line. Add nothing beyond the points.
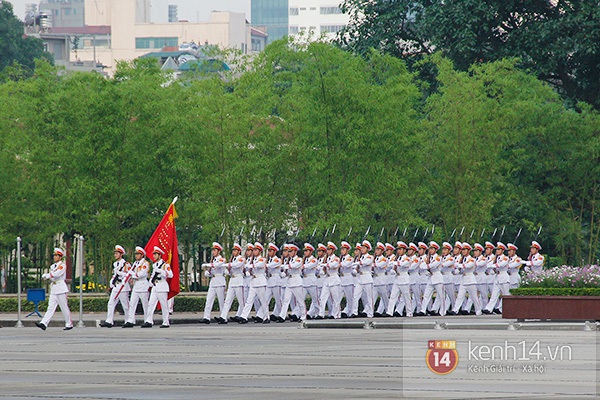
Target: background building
(65, 13)
(271, 16)
(319, 17)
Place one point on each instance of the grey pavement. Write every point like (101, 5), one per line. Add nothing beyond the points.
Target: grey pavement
(255, 361)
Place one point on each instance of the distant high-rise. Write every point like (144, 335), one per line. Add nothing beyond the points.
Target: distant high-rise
(273, 15)
(173, 13)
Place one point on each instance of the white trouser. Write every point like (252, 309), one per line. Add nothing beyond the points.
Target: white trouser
(348, 292)
(503, 288)
(155, 298)
(112, 303)
(219, 292)
(298, 294)
(135, 298)
(449, 297)
(236, 292)
(473, 296)
(260, 293)
(274, 292)
(396, 290)
(314, 300)
(381, 291)
(415, 288)
(439, 289)
(335, 294)
(61, 301)
(363, 291)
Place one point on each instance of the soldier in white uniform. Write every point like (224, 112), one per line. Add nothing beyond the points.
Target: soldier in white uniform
(292, 272)
(139, 276)
(502, 281)
(514, 265)
(490, 275)
(480, 277)
(320, 278)
(346, 277)
(535, 261)
(331, 286)
(309, 280)
(58, 291)
(215, 270)
(161, 271)
(235, 270)
(273, 280)
(468, 283)
(258, 288)
(401, 282)
(413, 273)
(364, 284)
(120, 287)
(431, 264)
(417, 275)
(247, 277)
(457, 276)
(390, 254)
(380, 278)
(447, 270)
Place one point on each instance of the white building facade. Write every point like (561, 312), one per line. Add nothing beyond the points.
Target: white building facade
(316, 18)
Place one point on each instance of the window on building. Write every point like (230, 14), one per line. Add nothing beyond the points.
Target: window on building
(331, 28)
(67, 11)
(313, 8)
(331, 10)
(293, 30)
(155, 42)
(294, 11)
(257, 45)
(302, 8)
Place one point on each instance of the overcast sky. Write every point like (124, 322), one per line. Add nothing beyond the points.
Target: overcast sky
(192, 10)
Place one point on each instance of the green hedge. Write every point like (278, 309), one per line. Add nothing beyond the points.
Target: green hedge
(540, 291)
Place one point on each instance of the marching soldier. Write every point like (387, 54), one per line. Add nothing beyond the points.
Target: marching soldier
(535, 261)
(161, 271)
(258, 288)
(390, 254)
(502, 281)
(331, 286)
(309, 280)
(215, 270)
(234, 269)
(468, 282)
(346, 277)
(139, 275)
(380, 278)
(364, 284)
(247, 277)
(401, 282)
(447, 270)
(120, 287)
(273, 280)
(58, 291)
(320, 277)
(490, 275)
(293, 274)
(480, 276)
(514, 264)
(435, 281)
(416, 277)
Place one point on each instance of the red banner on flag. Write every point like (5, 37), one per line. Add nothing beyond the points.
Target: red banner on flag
(165, 237)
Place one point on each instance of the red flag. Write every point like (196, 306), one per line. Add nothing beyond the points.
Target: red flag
(165, 237)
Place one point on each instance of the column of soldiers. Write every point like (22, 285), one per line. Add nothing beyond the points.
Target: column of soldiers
(401, 280)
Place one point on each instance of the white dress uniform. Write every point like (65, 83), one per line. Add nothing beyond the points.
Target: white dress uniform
(258, 290)
(535, 263)
(481, 277)
(58, 294)
(274, 283)
(447, 270)
(380, 282)
(364, 286)
(391, 277)
(490, 276)
(161, 271)
(347, 282)
(432, 265)
(401, 285)
(215, 270)
(331, 287)
(310, 284)
(468, 284)
(120, 270)
(139, 275)
(501, 284)
(293, 275)
(415, 288)
(514, 265)
(235, 270)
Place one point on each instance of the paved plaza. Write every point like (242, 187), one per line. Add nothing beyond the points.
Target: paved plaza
(254, 361)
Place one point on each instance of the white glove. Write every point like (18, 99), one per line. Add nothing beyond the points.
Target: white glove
(207, 274)
(46, 276)
(248, 273)
(282, 274)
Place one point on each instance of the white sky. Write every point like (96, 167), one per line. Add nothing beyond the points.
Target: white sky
(192, 10)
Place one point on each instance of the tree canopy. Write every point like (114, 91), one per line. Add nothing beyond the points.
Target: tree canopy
(304, 136)
(555, 39)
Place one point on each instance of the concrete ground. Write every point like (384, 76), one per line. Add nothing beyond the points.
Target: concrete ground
(255, 361)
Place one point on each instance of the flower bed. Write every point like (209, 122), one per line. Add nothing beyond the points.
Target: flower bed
(559, 293)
